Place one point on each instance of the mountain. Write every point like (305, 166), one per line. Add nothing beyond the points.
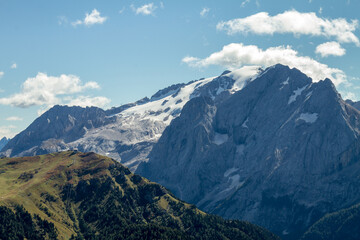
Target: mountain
(3, 142)
(354, 104)
(281, 153)
(268, 146)
(52, 130)
(87, 196)
(126, 133)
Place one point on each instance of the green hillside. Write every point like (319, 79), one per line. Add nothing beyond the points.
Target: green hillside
(340, 225)
(88, 196)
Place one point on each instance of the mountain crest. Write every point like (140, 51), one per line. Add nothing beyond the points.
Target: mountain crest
(86, 196)
(267, 147)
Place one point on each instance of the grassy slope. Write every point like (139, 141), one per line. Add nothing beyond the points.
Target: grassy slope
(27, 181)
(343, 224)
(71, 187)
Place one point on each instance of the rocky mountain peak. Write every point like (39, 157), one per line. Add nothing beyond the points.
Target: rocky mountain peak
(125, 133)
(262, 153)
(3, 142)
(60, 124)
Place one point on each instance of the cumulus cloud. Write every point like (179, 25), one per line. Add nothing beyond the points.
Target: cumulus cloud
(7, 131)
(13, 66)
(330, 48)
(91, 19)
(296, 23)
(44, 90)
(235, 55)
(14, 118)
(147, 9)
(204, 11)
(349, 95)
(1, 74)
(84, 101)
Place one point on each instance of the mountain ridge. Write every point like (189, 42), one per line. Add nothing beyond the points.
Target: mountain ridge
(273, 146)
(267, 145)
(3, 142)
(85, 195)
(126, 133)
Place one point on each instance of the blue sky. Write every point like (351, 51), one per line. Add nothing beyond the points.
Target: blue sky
(108, 53)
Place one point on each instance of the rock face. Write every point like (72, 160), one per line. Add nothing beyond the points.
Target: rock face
(354, 104)
(52, 130)
(126, 133)
(281, 153)
(3, 142)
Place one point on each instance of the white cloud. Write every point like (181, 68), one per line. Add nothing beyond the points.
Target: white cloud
(44, 90)
(204, 11)
(296, 23)
(91, 19)
(147, 9)
(62, 20)
(84, 101)
(192, 61)
(244, 3)
(235, 55)
(7, 131)
(13, 66)
(349, 95)
(122, 10)
(330, 48)
(77, 22)
(14, 118)
(1, 74)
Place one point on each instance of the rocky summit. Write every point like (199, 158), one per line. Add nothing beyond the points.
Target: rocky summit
(126, 133)
(3, 142)
(281, 153)
(268, 146)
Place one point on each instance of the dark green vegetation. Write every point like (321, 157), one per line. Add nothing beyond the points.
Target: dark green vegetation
(341, 225)
(88, 196)
(21, 225)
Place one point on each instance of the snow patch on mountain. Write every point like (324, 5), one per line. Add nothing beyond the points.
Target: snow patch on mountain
(308, 95)
(296, 93)
(220, 90)
(220, 138)
(243, 76)
(234, 183)
(165, 109)
(240, 149)
(308, 117)
(286, 82)
(244, 125)
(127, 133)
(230, 171)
